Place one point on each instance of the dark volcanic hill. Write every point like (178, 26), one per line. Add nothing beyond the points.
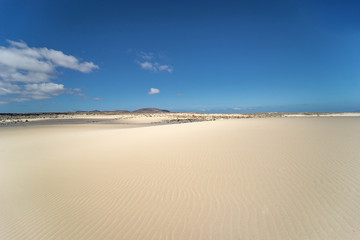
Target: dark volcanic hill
(151, 110)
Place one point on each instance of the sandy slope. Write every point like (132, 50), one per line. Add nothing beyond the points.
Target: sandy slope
(286, 178)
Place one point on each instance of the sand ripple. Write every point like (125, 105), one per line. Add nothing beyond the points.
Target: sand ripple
(231, 179)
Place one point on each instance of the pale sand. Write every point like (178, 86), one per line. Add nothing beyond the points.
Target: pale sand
(278, 178)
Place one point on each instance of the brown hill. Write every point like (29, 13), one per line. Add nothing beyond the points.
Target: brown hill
(151, 110)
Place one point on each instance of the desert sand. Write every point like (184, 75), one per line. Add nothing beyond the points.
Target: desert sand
(264, 178)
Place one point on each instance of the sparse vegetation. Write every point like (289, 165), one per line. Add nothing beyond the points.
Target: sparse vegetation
(158, 117)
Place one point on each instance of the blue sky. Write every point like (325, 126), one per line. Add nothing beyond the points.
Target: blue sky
(203, 56)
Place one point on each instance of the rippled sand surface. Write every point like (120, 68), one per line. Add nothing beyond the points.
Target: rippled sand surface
(278, 178)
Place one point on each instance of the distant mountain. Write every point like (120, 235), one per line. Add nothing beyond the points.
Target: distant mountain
(151, 110)
(141, 110)
(104, 112)
(120, 111)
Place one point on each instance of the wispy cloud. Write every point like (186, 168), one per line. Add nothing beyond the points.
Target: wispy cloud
(147, 65)
(154, 91)
(167, 68)
(97, 99)
(148, 61)
(146, 55)
(27, 73)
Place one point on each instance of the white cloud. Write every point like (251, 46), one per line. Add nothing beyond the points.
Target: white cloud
(20, 56)
(166, 68)
(20, 44)
(156, 67)
(148, 62)
(67, 61)
(98, 99)
(8, 88)
(27, 73)
(41, 91)
(154, 91)
(147, 66)
(15, 59)
(8, 74)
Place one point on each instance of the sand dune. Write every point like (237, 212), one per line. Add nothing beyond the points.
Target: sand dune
(279, 178)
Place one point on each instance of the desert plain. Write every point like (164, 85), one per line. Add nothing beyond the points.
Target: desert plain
(140, 176)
